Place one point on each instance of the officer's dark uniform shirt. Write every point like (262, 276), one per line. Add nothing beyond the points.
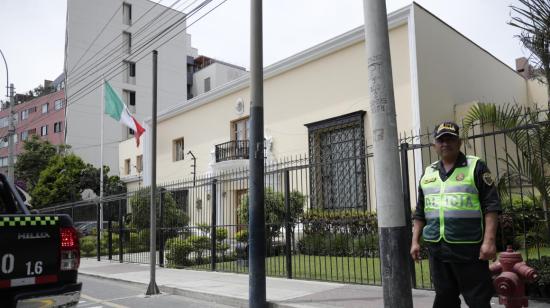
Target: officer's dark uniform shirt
(488, 198)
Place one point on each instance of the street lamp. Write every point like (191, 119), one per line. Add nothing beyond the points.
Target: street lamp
(11, 130)
(7, 74)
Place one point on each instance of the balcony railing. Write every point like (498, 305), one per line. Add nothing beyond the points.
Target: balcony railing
(235, 149)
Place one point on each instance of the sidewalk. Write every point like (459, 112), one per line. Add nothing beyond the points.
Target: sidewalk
(232, 289)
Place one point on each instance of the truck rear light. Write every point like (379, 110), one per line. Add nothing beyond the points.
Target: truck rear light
(69, 249)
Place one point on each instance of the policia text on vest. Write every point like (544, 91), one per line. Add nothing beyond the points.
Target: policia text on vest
(451, 208)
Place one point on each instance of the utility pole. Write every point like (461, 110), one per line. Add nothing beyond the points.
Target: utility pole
(256, 220)
(11, 132)
(394, 252)
(153, 289)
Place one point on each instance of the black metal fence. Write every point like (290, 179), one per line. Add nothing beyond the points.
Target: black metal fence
(320, 213)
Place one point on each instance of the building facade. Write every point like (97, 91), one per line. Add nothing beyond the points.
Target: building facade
(316, 105)
(114, 40)
(43, 116)
(210, 73)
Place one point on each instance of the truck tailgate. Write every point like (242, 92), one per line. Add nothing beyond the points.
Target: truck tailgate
(29, 250)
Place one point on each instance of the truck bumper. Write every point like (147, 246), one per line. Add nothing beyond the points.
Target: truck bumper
(64, 296)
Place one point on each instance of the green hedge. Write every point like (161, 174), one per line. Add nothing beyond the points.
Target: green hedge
(178, 251)
(353, 222)
(88, 245)
(191, 250)
(339, 233)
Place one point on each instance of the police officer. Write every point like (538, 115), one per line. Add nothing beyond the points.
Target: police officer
(457, 215)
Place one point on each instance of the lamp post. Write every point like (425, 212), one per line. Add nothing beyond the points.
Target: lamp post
(7, 74)
(10, 93)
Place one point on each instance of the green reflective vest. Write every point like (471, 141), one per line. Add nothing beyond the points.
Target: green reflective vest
(452, 209)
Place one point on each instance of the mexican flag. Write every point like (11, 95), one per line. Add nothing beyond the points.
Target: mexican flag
(118, 111)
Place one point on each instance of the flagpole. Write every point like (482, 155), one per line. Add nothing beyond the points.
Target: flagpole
(101, 159)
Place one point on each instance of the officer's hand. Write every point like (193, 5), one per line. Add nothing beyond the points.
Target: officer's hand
(488, 251)
(415, 251)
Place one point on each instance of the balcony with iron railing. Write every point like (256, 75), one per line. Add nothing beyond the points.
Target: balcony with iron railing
(232, 150)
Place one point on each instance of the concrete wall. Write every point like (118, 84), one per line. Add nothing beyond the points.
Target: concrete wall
(537, 93)
(128, 150)
(85, 19)
(453, 70)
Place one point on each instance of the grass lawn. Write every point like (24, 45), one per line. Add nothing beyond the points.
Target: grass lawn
(342, 269)
(327, 268)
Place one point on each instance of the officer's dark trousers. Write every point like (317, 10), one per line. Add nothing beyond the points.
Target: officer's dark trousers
(472, 280)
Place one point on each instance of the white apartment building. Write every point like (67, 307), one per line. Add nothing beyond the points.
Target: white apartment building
(210, 73)
(114, 40)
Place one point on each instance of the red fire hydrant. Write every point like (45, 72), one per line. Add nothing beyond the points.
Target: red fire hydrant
(509, 276)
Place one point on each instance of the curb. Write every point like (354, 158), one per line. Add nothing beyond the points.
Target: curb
(207, 297)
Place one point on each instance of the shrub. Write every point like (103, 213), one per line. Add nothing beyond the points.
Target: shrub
(521, 213)
(200, 243)
(540, 288)
(87, 246)
(221, 234)
(178, 251)
(242, 236)
(340, 233)
(275, 211)
(139, 241)
(354, 222)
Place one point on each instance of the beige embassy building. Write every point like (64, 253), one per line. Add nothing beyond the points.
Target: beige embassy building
(436, 72)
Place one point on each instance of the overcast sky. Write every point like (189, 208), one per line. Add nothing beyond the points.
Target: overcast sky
(32, 32)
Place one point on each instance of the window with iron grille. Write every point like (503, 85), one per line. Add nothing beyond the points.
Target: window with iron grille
(337, 162)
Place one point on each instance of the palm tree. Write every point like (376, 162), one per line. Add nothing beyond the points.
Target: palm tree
(533, 19)
(529, 130)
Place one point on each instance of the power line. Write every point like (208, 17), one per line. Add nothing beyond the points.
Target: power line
(110, 73)
(111, 55)
(97, 36)
(109, 43)
(121, 45)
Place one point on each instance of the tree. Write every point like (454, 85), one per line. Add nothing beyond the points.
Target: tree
(41, 90)
(275, 211)
(533, 19)
(59, 182)
(531, 164)
(89, 178)
(140, 203)
(36, 156)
